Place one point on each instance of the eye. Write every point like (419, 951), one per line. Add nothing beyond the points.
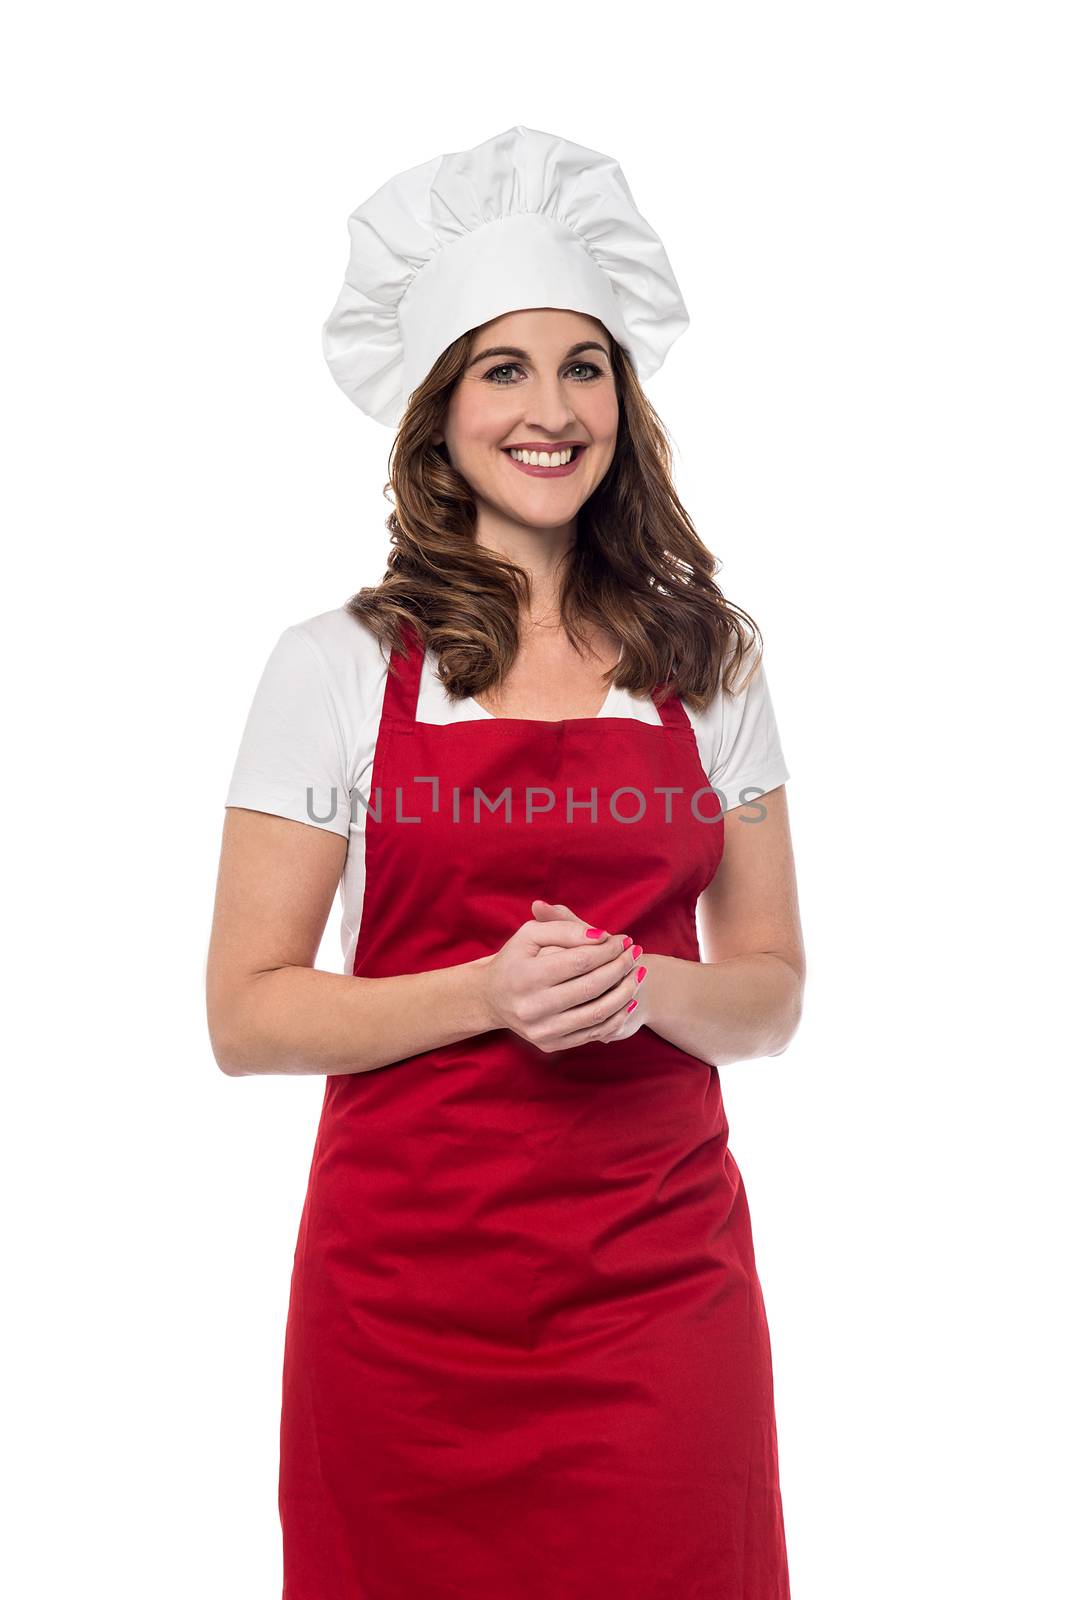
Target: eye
(508, 366)
(491, 376)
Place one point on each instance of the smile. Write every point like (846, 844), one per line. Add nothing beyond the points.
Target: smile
(532, 465)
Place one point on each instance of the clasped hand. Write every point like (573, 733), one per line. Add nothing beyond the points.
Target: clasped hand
(556, 986)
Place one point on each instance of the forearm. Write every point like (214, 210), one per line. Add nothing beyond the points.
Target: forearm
(722, 1011)
(298, 1020)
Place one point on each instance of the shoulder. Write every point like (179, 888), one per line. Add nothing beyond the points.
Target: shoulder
(730, 701)
(313, 717)
(342, 643)
(325, 669)
(738, 736)
(349, 658)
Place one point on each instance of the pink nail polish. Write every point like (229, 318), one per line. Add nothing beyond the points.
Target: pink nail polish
(641, 973)
(637, 951)
(631, 1005)
(626, 943)
(594, 933)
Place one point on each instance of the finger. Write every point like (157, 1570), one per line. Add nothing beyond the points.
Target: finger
(581, 980)
(599, 1019)
(623, 1028)
(544, 910)
(560, 931)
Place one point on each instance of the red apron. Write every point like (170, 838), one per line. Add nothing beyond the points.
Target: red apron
(526, 1355)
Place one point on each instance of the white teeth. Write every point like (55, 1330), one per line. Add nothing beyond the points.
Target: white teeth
(541, 458)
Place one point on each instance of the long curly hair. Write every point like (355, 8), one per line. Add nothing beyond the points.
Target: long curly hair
(637, 567)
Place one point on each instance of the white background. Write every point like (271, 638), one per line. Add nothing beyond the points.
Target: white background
(863, 206)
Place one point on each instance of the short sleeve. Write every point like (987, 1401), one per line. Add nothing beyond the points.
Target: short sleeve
(748, 755)
(291, 760)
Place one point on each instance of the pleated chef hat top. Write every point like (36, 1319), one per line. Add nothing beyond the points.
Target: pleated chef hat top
(524, 219)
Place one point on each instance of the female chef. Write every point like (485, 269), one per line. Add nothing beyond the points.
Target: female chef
(526, 1355)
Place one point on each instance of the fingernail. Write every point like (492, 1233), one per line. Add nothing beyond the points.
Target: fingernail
(626, 943)
(641, 973)
(631, 1005)
(594, 933)
(637, 951)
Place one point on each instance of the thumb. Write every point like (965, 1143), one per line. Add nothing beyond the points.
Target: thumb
(569, 932)
(544, 911)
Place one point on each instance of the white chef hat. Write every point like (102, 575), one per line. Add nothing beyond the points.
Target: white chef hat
(524, 219)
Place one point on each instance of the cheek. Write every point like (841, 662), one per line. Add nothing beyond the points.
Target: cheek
(601, 418)
(470, 422)
(476, 450)
(477, 435)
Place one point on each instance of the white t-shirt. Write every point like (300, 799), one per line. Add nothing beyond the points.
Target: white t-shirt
(313, 726)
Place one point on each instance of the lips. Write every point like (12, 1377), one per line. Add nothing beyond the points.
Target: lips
(549, 472)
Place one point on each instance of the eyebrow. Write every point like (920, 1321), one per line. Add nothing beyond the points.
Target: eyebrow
(523, 355)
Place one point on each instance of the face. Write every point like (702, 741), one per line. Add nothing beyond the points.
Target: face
(540, 380)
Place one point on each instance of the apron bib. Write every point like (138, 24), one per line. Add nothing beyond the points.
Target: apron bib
(526, 1355)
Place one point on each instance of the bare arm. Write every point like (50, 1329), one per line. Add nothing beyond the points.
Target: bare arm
(745, 999)
(268, 1009)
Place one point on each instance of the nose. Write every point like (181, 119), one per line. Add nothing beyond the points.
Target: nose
(549, 407)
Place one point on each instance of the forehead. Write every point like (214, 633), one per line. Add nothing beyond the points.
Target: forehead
(545, 327)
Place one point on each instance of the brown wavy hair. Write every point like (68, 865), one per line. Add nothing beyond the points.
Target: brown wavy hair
(637, 567)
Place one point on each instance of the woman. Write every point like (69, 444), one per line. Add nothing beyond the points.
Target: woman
(526, 1353)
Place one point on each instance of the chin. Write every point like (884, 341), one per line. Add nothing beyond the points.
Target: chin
(534, 517)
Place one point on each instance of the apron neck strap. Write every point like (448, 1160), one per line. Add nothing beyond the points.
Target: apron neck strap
(672, 711)
(404, 675)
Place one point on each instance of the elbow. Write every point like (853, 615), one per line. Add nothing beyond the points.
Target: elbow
(240, 1020)
(789, 1029)
(233, 1050)
(227, 1054)
(790, 1018)
(240, 1050)
(783, 1041)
